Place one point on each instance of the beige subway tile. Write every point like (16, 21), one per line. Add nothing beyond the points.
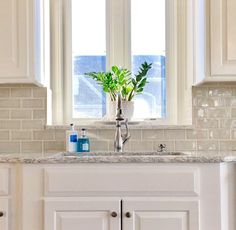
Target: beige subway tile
(170, 145)
(39, 114)
(207, 123)
(233, 134)
(27, 85)
(9, 147)
(185, 145)
(4, 114)
(31, 147)
(152, 134)
(227, 145)
(60, 135)
(232, 101)
(20, 92)
(4, 135)
(9, 103)
(141, 145)
(136, 134)
(106, 134)
(233, 112)
(43, 135)
(199, 113)
(99, 145)
(197, 134)
(220, 91)
(32, 103)
(174, 134)
(21, 114)
(53, 146)
(207, 145)
(219, 134)
(10, 124)
(205, 102)
(200, 91)
(228, 123)
(21, 135)
(39, 92)
(4, 92)
(32, 124)
(218, 112)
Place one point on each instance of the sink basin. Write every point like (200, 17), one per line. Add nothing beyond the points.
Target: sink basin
(125, 154)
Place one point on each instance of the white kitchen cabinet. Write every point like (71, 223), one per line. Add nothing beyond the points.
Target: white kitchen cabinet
(155, 213)
(4, 214)
(214, 41)
(222, 38)
(119, 196)
(82, 213)
(23, 47)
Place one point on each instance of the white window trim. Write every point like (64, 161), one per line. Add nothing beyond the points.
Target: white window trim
(180, 54)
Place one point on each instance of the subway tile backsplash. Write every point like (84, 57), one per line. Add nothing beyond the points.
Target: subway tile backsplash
(23, 119)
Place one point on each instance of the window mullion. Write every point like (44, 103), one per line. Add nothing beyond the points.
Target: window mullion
(119, 37)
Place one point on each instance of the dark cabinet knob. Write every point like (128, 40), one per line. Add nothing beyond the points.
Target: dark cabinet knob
(114, 214)
(128, 214)
(1, 214)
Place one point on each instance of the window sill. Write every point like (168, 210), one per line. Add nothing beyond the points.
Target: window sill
(132, 125)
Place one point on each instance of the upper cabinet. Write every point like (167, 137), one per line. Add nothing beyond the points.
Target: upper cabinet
(24, 44)
(214, 36)
(223, 38)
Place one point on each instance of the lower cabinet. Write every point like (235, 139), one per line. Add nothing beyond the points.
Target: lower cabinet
(154, 213)
(4, 225)
(120, 197)
(120, 214)
(82, 214)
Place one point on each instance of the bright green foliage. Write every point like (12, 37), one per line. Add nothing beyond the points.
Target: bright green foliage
(120, 80)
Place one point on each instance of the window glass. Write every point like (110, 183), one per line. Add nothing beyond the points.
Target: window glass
(148, 44)
(88, 55)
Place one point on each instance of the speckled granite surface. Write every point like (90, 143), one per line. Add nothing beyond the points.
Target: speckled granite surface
(127, 157)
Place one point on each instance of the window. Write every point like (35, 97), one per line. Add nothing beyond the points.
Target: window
(93, 35)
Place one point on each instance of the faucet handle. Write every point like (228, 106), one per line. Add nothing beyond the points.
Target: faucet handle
(126, 136)
(161, 148)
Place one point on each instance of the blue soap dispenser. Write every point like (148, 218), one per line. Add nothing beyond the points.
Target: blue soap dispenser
(83, 144)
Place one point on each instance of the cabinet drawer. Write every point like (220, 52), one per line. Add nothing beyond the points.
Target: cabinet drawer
(4, 181)
(122, 179)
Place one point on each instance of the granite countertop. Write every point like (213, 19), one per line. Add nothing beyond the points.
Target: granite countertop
(126, 157)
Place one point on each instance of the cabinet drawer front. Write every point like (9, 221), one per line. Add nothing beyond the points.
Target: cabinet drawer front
(4, 181)
(115, 180)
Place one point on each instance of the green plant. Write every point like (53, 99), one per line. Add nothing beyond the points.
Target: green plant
(120, 80)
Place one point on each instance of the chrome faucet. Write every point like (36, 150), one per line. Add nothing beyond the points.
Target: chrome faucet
(120, 138)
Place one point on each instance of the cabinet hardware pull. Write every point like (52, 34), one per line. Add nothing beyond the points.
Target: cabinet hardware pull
(1, 214)
(128, 214)
(114, 214)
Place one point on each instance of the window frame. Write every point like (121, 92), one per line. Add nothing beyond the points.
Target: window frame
(179, 58)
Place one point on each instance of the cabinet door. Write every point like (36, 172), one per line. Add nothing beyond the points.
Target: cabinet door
(4, 214)
(22, 41)
(162, 214)
(82, 214)
(223, 37)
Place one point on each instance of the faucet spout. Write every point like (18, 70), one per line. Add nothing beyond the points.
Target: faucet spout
(120, 138)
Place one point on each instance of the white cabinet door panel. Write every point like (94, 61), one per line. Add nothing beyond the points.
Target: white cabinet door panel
(4, 209)
(82, 214)
(161, 214)
(223, 37)
(14, 44)
(153, 220)
(76, 220)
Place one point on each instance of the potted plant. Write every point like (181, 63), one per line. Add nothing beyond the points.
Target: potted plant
(121, 80)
